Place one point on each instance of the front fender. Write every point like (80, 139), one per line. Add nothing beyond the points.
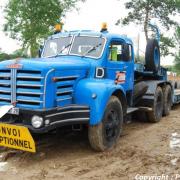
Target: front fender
(101, 89)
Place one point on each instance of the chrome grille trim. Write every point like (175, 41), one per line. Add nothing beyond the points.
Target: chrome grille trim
(5, 83)
(67, 112)
(45, 86)
(5, 76)
(66, 77)
(13, 85)
(30, 93)
(33, 101)
(62, 92)
(64, 99)
(72, 106)
(5, 91)
(68, 120)
(8, 99)
(29, 77)
(30, 85)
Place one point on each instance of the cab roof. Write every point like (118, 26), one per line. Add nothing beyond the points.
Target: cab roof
(105, 34)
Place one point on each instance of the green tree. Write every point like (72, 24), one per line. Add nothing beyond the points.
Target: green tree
(177, 63)
(16, 54)
(142, 11)
(177, 57)
(30, 21)
(166, 44)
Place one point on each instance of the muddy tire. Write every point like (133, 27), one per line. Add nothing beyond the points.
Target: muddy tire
(140, 116)
(140, 89)
(157, 109)
(105, 135)
(167, 100)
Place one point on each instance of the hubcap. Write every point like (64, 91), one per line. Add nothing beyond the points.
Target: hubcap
(112, 125)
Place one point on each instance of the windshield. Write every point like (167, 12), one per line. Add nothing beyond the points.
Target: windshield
(84, 46)
(87, 46)
(57, 46)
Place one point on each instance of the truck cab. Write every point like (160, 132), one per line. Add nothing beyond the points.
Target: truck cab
(81, 77)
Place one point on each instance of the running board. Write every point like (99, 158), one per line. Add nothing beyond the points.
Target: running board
(133, 109)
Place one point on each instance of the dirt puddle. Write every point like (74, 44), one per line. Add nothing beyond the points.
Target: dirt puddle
(175, 148)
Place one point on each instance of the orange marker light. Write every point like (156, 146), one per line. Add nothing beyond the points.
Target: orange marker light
(104, 27)
(58, 27)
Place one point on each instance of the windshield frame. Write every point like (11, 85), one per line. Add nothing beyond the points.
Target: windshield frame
(72, 42)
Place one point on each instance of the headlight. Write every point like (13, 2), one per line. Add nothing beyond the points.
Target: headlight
(37, 121)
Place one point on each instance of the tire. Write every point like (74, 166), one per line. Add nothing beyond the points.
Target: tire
(178, 85)
(140, 116)
(152, 56)
(105, 135)
(167, 100)
(175, 85)
(157, 109)
(140, 89)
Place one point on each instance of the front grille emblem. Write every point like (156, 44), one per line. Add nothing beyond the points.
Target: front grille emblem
(16, 64)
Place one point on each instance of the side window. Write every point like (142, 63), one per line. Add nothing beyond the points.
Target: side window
(120, 51)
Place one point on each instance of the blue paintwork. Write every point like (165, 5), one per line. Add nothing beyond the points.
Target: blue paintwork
(103, 88)
(85, 85)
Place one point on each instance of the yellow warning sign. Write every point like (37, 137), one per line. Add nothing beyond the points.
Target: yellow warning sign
(17, 137)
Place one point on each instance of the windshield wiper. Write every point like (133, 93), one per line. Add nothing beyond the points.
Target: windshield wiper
(91, 49)
(65, 47)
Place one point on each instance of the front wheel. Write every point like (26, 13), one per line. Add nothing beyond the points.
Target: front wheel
(105, 135)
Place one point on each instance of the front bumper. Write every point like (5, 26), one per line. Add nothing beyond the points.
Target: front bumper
(57, 117)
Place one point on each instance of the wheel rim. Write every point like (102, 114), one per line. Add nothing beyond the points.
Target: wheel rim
(112, 126)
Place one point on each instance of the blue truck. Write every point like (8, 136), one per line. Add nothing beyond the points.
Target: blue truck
(85, 78)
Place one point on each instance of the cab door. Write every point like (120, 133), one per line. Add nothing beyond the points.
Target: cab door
(120, 64)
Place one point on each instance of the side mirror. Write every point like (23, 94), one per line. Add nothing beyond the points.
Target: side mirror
(40, 51)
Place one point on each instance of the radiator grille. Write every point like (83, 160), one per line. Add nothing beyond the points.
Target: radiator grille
(64, 86)
(5, 87)
(24, 87)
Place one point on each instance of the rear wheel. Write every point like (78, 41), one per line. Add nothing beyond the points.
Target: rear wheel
(157, 109)
(105, 135)
(167, 100)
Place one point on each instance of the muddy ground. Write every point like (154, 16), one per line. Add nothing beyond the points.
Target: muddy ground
(144, 149)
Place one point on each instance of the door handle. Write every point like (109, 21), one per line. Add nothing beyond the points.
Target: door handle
(125, 68)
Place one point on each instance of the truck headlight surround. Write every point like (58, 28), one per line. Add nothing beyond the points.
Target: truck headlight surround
(37, 121)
